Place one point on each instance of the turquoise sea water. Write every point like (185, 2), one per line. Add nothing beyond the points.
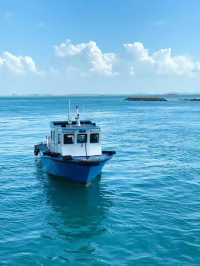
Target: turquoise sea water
(145, 209)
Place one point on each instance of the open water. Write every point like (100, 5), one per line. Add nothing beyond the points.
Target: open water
(145, 210)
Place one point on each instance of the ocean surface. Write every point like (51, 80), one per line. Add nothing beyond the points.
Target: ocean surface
(145, 210)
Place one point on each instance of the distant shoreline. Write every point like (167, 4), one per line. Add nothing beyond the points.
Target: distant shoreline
(145, 96)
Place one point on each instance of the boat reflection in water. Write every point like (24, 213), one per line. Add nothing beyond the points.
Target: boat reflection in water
(76, 216)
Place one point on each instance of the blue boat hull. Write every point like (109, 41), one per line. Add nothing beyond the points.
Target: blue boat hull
(81, 170)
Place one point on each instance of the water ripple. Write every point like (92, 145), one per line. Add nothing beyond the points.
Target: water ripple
(145, 209)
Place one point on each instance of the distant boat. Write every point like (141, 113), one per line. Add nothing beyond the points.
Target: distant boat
(73, 150)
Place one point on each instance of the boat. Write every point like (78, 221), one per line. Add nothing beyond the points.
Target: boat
(73, 150)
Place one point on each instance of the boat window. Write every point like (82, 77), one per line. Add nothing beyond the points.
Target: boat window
(81, 138)
(68, 138)
(94, 138)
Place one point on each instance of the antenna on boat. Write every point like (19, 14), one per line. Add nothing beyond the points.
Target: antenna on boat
(69, 105)
(77, 117)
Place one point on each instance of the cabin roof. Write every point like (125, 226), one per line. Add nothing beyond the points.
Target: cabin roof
(73, 124)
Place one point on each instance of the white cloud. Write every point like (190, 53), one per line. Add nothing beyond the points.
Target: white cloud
(139, 52)
(69, 49)
(161, 62)
(88, 56)
(17, 64)
(101, 63)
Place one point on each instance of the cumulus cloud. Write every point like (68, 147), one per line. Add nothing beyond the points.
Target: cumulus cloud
(139, 52)
(17, 64)
(162, 61)
(101, 63)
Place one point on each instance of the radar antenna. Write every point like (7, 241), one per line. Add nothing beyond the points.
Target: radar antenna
(77, 117)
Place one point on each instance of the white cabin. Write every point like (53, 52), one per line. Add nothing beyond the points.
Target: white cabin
(75, 138)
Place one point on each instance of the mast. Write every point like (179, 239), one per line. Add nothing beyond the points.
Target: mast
(77, 117)
(69, 106)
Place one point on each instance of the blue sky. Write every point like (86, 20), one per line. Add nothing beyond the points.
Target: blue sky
(113, 47)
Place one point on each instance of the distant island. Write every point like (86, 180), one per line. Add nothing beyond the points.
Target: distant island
(193, 99)
(146, 98)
